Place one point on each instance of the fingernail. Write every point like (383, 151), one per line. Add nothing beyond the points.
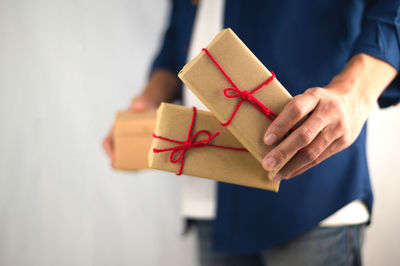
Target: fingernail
(270, 139)
(269, 163)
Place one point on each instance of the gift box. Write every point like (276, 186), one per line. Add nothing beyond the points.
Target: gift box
(132, 134)
(238, 89)
(192, 142)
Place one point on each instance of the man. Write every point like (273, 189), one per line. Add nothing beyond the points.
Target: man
(336, 57)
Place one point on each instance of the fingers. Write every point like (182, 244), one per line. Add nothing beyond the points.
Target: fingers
(138, 106)
(334, 148)
(108, 146)
(309, 156)
(293, 112)
(331, 127)
(141, 104)
(300, 138)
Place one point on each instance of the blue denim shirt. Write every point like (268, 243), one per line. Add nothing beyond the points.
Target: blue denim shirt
(305, 43)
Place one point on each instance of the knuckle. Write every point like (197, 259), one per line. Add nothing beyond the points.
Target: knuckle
(311, 155)
(341, 126)
(333, 103)
(344, 141)
(296, 109)
(280, 155)
(336, 105)
(325, 141)
(305, 135)
(318, 119)
(314, 91)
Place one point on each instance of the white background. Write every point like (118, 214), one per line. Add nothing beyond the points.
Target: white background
(65, 67)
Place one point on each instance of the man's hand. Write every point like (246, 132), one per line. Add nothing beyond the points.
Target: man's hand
(138, 104)
(161, 87)
(336, 112)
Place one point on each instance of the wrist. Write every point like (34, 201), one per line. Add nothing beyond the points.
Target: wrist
(162, 86)
(151, 96)
(364, 77)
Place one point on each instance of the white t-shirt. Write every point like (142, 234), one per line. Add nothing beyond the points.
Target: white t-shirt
(198, 194)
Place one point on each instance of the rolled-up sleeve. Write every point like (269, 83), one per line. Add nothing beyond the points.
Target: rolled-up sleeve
(380, 37)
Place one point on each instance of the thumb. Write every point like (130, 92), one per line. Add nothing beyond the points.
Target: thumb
(140, 104)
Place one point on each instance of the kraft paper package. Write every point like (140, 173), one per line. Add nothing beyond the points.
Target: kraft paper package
(204, 78)
(210, 155)
(132, 132)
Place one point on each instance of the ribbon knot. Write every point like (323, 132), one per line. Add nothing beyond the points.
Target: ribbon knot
(234, 93)
(187, 146)
(191, 143)
(178, 152)
(245, 95)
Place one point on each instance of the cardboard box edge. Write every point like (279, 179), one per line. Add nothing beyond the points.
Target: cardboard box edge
(150, 155)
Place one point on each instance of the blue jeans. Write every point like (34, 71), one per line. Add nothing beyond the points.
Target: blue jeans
(321, 246)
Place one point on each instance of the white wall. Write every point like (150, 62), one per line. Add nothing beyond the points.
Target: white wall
(382, 239)
(65, 67)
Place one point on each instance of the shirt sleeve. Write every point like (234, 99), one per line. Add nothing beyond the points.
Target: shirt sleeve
(380, 37)
(173, 51)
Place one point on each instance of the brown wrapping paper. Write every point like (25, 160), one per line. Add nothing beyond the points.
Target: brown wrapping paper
(206, 81)
(132, 134)
(237, 167)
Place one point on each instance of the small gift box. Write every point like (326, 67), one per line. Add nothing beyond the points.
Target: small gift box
(132, 134)
(238, 89)
(191, 142)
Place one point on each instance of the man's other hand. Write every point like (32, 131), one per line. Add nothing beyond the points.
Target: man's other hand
(138, 104)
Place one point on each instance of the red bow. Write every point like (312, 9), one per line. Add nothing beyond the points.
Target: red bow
(190, 142)
(245, 94)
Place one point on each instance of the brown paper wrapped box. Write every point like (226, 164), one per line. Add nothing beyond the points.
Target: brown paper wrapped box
(231, 166)
(207, 82)
(132, 134)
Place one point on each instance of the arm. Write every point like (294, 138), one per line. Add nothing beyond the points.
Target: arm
(380, 38)
(163, 84)
(340, 109)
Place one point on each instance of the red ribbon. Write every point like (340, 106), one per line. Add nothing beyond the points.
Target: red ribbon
(190, 142)
(245, 95)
